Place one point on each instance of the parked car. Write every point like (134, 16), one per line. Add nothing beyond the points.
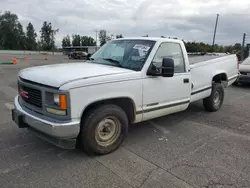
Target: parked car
(79, 55)
(244, 72)
(126, 81)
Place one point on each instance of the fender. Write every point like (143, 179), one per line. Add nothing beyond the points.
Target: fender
(220, 76)
(107, 100)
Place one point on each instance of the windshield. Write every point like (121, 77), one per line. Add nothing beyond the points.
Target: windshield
(246, 61)
(129, 54)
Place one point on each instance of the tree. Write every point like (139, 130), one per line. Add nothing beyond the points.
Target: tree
(91, 41)
(39, 46)
(76, 40)
(198, 47)
(228, 48)
(119, 36)
(221, 49)
(11, 32)
(31, 37)
(87, 41)
(48, 36)
(237, 46)
(53, 34)
(66, 41)
(216, 48)
(103, 37)
(21, 38)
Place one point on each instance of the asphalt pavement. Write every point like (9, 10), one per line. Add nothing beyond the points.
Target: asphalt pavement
(193, 148)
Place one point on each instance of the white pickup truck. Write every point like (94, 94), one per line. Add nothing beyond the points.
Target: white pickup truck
(91, 104)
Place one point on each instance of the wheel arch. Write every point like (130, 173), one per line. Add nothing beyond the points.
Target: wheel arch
(220, 78)
(125, 103)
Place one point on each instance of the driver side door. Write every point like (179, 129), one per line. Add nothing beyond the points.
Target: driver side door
(166, 95)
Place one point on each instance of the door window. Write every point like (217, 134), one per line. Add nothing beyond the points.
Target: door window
(170, 50)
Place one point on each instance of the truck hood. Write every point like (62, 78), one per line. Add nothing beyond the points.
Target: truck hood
(57, 75)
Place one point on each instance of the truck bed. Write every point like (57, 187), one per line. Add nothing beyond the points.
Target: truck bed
(203, 69)
(193, 59)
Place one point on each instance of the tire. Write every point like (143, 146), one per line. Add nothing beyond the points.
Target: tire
(215, 100)
(92, 134)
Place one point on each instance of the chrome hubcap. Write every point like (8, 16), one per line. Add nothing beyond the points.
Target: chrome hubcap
(107, 131)
(217, 98)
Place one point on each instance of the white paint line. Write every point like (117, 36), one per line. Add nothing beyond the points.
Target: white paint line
(9, 105)
(160, 128)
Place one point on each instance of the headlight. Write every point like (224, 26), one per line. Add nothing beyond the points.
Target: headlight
(58, 104)
(61, 101)
(56, 99)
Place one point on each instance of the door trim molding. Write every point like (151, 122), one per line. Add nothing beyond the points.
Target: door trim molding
(232, 77)
(162, 107)
(201, 90)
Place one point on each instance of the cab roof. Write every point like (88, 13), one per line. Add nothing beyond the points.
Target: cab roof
(150, 38)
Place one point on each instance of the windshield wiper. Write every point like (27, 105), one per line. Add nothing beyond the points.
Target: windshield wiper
(113, 60)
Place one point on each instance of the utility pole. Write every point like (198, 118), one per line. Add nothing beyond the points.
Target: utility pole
(96, 39)
(242, 47)
(248, 49)
(215, 29)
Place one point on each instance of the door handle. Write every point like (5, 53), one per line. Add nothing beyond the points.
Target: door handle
(185, 80)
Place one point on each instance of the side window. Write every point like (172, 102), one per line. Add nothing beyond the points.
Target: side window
(171, 50)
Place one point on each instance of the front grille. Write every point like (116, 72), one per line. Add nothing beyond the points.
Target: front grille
(30, 95)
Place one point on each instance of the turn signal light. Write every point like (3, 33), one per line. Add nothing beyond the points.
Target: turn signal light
(63, 102)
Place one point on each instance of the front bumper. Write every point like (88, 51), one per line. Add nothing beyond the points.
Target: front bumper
(60, 134)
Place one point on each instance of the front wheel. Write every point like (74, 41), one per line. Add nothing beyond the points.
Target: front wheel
(215, 100)
(104, 129)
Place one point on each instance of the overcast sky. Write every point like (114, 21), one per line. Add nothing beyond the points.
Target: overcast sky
(191, 20)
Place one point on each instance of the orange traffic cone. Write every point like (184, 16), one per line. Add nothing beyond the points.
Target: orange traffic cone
(25, 58)
(14, 61)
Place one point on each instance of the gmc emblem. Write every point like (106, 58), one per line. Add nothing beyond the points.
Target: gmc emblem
(24, 94)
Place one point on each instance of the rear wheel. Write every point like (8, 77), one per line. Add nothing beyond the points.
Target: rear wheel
(215, 100)
(103, 129)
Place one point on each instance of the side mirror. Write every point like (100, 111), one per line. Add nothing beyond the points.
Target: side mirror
(167, 67)
(153, 71)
